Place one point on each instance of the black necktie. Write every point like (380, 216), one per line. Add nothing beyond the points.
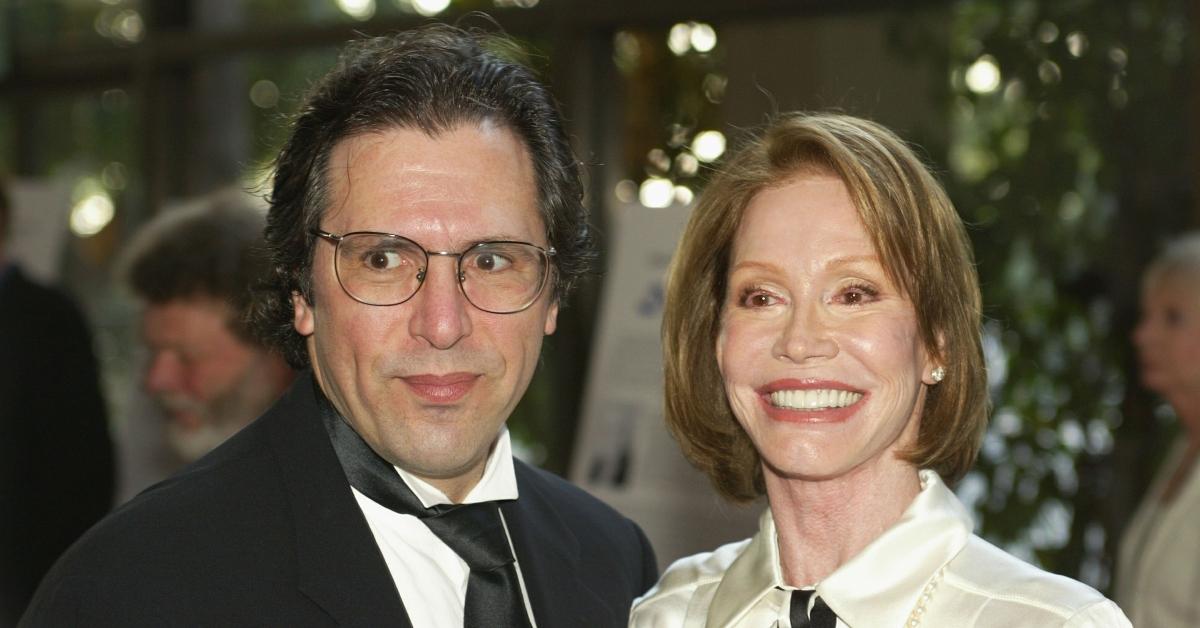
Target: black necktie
(474, 531)
(822, 615)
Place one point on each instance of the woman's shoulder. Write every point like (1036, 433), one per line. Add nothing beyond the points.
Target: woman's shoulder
(666, 604)
(999, 585)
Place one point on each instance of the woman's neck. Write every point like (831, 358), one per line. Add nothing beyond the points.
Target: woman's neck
(1187, 408)
(822, 524)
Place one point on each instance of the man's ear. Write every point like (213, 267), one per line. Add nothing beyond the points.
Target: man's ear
(551, 318)
(303, 316)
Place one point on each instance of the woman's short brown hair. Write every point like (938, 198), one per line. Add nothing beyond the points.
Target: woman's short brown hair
(921, 242)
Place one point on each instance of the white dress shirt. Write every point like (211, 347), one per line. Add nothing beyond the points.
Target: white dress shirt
(929, 560)
(1158, 568)
(430, 577)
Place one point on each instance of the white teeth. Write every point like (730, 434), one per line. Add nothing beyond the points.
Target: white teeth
(813, 399)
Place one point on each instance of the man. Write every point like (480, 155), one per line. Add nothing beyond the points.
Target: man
(56, 459)
(426, 222)
(194, 268)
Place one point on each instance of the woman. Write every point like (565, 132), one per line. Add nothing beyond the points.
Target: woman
(1158, 577)
(822, 347)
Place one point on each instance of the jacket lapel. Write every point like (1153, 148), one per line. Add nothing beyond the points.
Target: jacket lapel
(548, 552)
(338, 564)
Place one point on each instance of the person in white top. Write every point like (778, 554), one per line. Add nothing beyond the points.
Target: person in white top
(822, 347)
(1158, 568)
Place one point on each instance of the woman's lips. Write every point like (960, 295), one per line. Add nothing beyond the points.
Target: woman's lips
(441, 389)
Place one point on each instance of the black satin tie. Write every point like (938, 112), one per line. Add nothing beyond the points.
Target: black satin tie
(822, 615)
(474, 531)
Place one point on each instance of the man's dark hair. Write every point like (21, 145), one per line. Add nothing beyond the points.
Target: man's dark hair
(435, 78)
(212, 248)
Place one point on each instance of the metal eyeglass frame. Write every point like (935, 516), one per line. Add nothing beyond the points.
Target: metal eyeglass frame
(336, 241)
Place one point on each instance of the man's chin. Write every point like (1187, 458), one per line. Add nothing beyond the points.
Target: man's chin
(191, 443)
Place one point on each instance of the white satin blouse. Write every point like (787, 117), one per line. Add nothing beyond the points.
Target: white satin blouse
(928, 568)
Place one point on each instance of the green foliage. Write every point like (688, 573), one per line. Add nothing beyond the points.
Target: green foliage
(1045, 163)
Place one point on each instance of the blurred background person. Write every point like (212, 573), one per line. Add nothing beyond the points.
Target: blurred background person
(1158, 573)
(193, 268)
(56, 459)
(822, 345)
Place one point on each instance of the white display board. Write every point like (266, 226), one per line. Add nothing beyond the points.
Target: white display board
(38, 226)
(624, 453)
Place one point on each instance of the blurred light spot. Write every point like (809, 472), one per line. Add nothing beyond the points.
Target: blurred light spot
(1049, 72)
(1052, 525)
(683, 195)
(999, 190)
(91, 214)
(1015, 142)
(704, 37)
(1119, 57)
(686, 164)
(114, 100)
(1071, 435)
(1014, 91)
(679, 40)
(114, 176)
(656, 192)
(714, 87)
(1006, 422)
(264, 94)
(128, 26)
(971, 163)
(708, 145)
(983, 77)
(429, 8)
(1047, 32)
(1070, 209)
(1077, 44)
(679, 135)
(658, 159)
(521, 4)
(626, 191)
(357, 9)
(627, 53)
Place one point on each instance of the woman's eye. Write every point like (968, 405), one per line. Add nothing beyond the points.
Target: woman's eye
(753, 298)
(857, 295)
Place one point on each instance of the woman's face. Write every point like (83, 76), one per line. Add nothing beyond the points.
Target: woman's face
(820, 353)
(1167, 336)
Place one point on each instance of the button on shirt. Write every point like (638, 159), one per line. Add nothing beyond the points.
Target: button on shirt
(430, 577)
(929, 554)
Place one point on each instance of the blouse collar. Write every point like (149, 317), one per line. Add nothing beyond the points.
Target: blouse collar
(877, 587)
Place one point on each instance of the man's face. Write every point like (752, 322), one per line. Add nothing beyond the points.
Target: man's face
(427, 383)
(209, 382)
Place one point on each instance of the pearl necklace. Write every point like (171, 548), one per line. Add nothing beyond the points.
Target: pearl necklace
(918, 611)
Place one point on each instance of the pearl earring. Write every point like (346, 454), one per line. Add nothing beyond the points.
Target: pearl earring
(938, 374)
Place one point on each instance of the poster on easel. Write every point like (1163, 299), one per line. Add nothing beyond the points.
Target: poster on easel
(624, 452)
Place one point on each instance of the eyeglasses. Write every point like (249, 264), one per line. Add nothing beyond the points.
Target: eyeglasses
(386, 269)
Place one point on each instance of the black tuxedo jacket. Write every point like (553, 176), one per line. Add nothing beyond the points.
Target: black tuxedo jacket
(264, 531)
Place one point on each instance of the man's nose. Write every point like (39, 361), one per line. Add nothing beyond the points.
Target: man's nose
(441, 313)
(163, 374)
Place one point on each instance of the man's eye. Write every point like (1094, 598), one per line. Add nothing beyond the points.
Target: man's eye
(383, 260)
(491, 262)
